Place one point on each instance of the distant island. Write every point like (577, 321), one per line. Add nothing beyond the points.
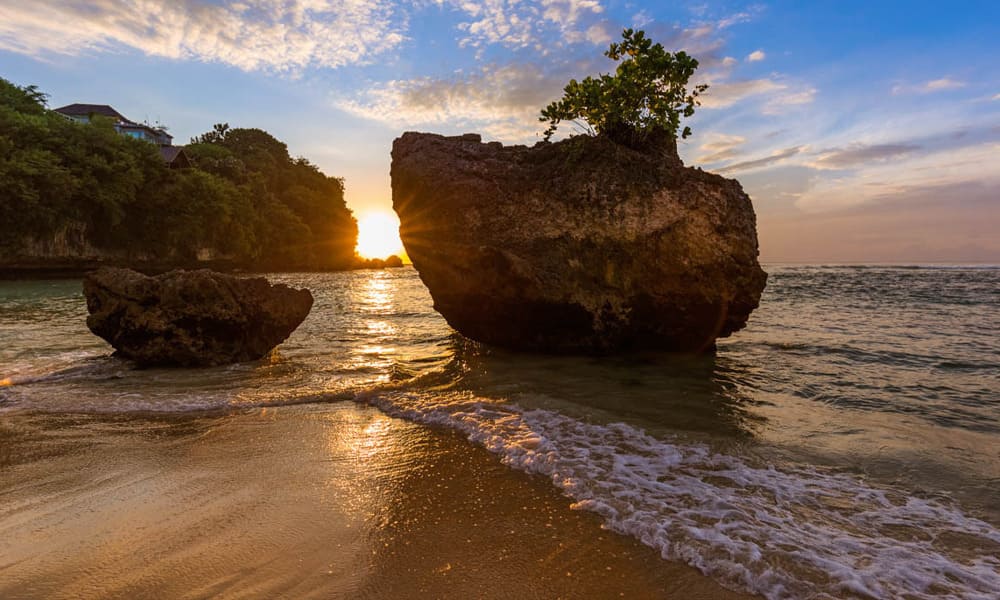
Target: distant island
(84, 186)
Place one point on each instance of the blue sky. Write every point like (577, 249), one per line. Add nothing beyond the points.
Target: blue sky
(863, 131)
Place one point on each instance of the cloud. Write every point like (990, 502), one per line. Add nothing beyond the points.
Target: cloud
(756, 55)
(996, 98)
(721, 95)
(943, 84)
(928, 87)
(741, 17)
(851, 156)
(766, 161)
(924, 168)
(598, 34)
(955, 221)
(517, 24)
(720, 147)
(781, 102)
(641, 19)
(278, 35)
(503, 100)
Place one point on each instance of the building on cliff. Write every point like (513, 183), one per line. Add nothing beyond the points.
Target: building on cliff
(83, 113)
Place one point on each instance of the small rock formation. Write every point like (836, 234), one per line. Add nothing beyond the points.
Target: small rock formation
(392, 262)
(579, 246)
(191, 318)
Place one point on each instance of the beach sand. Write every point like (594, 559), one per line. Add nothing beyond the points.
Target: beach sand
(317, 501)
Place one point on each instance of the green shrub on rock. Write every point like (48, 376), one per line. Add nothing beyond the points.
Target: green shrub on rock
(641, 103)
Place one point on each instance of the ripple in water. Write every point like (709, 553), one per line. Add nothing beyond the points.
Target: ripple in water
(845, 444)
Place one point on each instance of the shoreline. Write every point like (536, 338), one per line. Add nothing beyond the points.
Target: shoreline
(305, 501)
(79, 270)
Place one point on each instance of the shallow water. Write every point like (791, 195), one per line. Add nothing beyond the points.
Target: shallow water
(846, 444)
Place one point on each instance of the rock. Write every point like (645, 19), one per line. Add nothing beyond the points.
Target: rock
(577, 246)
(191, 318)
(392, 262)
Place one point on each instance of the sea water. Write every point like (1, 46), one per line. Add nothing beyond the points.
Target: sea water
(846, 444)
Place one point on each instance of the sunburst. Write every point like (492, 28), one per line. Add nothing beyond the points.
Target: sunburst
(378, 235)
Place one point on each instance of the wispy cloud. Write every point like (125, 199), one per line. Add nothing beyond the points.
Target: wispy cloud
(882, 178)
(840, 158)
(727, 93)
(279, 35)
(945, 83)
(788, 98)
(740, 17)
(720, 147)
(928, 87)
(503, 100)
(756, 55)
(518, 24)
(766, 161)
(953, 221)
(641, 19)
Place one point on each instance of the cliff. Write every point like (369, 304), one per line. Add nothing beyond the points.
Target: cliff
(578, 246)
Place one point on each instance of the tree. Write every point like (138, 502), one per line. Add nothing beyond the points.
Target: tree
(644, 100)
(244, 199)
(216, 136)
(28, 99)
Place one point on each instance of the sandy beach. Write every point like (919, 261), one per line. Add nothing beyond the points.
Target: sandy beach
(315, 501)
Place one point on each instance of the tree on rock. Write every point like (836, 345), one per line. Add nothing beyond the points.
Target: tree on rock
(643, 101)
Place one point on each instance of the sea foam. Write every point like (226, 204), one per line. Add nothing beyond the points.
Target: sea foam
(780, 532)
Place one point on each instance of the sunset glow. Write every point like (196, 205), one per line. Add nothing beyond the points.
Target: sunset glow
(378, 235)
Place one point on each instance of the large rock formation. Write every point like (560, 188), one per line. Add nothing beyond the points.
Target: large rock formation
(191, 318)
(578, 246)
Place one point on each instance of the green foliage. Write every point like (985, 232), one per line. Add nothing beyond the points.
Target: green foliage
(215, 136)
(644, 100)
(26, 99)
(54, 171)
(304, 219)
(246, 199)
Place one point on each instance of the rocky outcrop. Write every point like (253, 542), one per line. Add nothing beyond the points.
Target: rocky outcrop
(578, 246)
(191, 318)
(392, 262)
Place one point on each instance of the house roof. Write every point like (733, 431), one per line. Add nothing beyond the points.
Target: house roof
(104, 110)
(90, 109)
(169, 153)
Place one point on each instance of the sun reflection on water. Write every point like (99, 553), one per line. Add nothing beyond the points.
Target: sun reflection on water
(378, 294)
(377, 350)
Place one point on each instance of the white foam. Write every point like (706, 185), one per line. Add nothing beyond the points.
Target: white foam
(783, 533)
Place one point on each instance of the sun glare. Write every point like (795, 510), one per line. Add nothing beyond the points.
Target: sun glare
(378, 236)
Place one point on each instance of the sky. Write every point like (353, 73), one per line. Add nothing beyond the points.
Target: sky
(863, 131)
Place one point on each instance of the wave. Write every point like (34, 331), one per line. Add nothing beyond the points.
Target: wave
(782, 533)
(63, 366)
(887, 266)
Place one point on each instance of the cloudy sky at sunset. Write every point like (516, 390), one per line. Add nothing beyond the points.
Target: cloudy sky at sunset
(863, 131)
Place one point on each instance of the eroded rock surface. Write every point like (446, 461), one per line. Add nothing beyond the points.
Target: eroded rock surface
(191, 318)
(578, 246)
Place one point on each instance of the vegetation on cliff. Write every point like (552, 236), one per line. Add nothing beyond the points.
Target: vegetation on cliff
(245, 200)
(641, 103)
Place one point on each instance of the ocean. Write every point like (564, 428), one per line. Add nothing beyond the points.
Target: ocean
(845, 444)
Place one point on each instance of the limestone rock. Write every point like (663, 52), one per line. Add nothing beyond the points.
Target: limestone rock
(578, 246)
(191, 318)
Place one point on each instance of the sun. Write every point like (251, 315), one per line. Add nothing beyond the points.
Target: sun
(378, 236)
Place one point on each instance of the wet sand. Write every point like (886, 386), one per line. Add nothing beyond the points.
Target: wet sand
(321, 501)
